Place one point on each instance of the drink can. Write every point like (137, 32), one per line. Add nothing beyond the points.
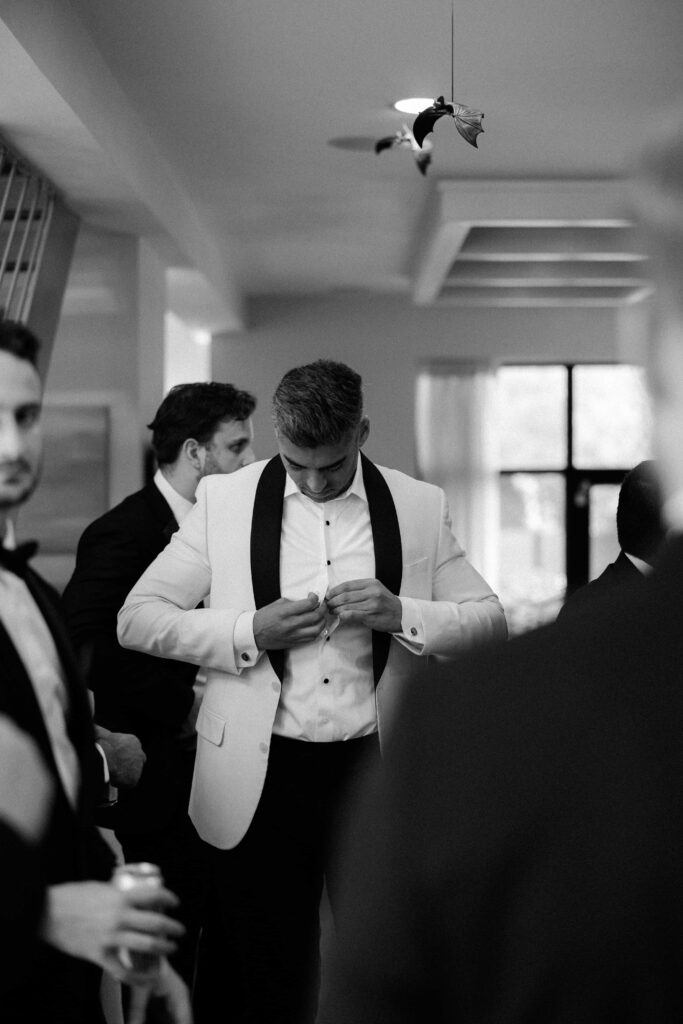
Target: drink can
(137, 876)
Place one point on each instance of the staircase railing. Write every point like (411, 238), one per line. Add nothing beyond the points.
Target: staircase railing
(26, 206)
(37, 237)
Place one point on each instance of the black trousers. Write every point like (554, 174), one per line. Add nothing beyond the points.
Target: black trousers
(268, 888)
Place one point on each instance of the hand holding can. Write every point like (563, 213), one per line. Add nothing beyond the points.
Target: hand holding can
(136, 876)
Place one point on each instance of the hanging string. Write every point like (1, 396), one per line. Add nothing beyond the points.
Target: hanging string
(452, 51)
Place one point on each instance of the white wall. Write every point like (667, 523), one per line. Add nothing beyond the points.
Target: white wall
(95, 355)
(109, 348)
(187, 353)
(385, 339)
(150, 332)
(112, 337)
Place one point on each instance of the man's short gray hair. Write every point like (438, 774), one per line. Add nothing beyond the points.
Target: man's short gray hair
(318, 404)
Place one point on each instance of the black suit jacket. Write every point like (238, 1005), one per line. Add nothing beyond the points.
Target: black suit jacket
(619, 573)
(71, 849)
(136, 693)
(520, 859)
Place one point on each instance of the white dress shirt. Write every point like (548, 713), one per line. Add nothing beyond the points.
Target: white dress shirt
(643, 567)
(33, 641)
(328, 690)
(178, 504)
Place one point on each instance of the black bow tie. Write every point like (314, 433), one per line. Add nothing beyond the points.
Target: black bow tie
(16, 559)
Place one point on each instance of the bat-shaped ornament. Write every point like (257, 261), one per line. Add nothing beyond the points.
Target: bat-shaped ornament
(404, 139)
(467, 120)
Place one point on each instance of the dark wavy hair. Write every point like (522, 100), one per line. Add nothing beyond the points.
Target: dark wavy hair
(195, 410)
(19, 341)
(318, 404)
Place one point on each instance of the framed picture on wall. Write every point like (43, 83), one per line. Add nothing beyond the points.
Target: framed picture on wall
(91, 460)
(74, 487)
(75, 483)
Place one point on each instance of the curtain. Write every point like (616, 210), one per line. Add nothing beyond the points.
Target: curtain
(456, 448)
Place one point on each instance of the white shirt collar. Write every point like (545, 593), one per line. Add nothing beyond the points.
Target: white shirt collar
(179, 505)
(357, 486)
(9, 541)
(640, 565)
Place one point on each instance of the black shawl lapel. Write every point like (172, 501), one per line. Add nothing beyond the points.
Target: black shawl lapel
(266, 529)
(386, 538)
(27, 710)
(18, 698)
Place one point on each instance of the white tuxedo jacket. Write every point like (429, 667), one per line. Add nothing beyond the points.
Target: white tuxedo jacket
(227, 555)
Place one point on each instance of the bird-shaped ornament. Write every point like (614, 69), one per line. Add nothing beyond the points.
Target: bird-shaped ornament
(404, 139)
(467, 121)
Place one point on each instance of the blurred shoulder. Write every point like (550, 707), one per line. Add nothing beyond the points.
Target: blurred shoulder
(242, 482)
(137, 511)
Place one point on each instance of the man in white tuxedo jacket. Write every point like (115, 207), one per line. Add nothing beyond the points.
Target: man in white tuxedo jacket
(327, 583)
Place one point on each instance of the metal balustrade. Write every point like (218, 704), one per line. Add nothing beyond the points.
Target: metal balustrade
(27, 203)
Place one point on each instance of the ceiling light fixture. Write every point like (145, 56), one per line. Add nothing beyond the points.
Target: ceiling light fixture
(413, 104)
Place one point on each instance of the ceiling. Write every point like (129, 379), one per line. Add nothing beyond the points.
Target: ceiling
(250, 109)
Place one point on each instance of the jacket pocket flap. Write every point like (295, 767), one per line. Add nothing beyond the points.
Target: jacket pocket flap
(417, 568)
(210, 726)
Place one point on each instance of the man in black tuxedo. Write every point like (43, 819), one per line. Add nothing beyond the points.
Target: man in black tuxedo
(520, 858)
(640, 532)
(85, 920)
(199, 429)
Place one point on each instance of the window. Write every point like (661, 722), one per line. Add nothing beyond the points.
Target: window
(568, 434)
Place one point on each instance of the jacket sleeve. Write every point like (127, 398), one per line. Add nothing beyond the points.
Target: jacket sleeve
(462, 610)
(160, 614)
(111, 556)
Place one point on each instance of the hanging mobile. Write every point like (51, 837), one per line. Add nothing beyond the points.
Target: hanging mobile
(467, 120)
(404, 139)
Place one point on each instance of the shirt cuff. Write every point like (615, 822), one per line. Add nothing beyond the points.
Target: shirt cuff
(246, 651)
(111, 793)
(104, 762)
(412, 633)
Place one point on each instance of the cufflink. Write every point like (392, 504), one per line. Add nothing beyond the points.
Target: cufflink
(413, 631)
(245, 656)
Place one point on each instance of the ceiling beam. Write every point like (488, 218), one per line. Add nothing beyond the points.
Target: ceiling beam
(499, 242)
(438, 258)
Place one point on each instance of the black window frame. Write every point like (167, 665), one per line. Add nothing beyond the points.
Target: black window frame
(577, 484)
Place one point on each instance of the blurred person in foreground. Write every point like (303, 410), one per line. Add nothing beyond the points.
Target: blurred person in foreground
(641, 531)
(199, 428)
(84, 919)
(26, 793)
(329, 579)
(519, 860)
